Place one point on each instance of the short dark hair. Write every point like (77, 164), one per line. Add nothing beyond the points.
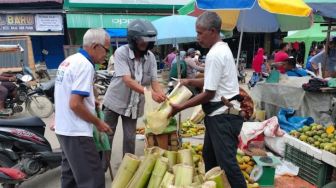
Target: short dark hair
(291, 61)
(209, 20)
(282, 45)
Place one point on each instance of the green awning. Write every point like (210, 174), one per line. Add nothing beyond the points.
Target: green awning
(103, 20)
(308, 36)
(123, 4)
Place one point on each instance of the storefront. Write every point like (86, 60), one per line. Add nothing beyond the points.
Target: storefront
(46, 32)
(115, 25)
(112, 15)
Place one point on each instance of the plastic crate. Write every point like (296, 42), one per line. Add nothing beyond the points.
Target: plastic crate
(311, 169)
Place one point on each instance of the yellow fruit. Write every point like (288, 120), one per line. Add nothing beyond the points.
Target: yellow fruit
(243, 166)
(246, 176)
(251, 163)
(246, 159)
(249, 169)
(330, 129)
(239, 159)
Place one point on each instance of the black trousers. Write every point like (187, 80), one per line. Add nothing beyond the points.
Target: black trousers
(81, 164)
(220, 146)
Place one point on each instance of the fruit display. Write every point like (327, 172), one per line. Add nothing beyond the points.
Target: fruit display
(318, 136)
(167, 169)
(189, 129)
(246, 163)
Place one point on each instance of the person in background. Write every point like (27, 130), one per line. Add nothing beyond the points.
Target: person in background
(258, 61)
(7, 88)
(330, 56)
(75, 113)
(223, 124)
(292, 69)
(282, 56)
(183, 66)
(170, 57)
(110, 66)
(312, 53)
(192, 66)
(197, 55)
(135, 68)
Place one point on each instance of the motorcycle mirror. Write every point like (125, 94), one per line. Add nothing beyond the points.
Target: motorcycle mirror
(26, 78)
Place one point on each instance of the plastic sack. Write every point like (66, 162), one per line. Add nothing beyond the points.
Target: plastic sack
(155, 121)
(101, 139)
(156, 115)
(289, 122)
(276, 144)
(286, 168)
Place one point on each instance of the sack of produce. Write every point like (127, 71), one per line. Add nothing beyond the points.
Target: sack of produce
(156, 116)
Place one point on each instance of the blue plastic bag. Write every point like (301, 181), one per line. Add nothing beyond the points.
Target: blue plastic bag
(289, 122)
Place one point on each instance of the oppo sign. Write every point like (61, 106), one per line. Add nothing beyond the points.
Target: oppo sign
(122, 22)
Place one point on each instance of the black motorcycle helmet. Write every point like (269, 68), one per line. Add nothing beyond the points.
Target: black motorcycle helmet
(141, 28)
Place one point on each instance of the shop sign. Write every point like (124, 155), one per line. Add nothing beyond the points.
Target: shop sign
(25, 23)
(122, 21)
(17, 23)
(48, 22)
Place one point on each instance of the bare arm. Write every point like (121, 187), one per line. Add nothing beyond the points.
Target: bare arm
(134, 85)
(78, 107)
(199, 82)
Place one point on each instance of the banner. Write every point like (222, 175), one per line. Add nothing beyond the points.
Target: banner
(48, 22)
(30, 23)
(17, 23)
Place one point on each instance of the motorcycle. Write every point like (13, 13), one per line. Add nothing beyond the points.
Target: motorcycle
(102, 81)
(35, 99)
(24, 151)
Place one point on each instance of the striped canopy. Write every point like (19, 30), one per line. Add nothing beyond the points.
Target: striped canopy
(255, 15)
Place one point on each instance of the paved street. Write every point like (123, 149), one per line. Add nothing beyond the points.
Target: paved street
(51, 179)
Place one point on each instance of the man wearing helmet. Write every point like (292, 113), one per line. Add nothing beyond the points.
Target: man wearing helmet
(135, 68)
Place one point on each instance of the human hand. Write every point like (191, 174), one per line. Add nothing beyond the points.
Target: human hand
(103, 127)
(175, 109)
(158, 96)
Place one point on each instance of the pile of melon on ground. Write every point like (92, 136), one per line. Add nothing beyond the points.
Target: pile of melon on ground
(172, 169)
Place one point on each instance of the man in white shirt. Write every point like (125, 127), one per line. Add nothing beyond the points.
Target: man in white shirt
(223, 123)
(75, 113)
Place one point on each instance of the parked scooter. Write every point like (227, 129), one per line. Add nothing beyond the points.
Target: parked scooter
(24, 151)
(35, 100)
(103, 79)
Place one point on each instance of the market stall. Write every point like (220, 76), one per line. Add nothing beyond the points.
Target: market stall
(288, 93)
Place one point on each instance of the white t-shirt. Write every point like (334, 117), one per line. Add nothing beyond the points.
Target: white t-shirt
(220, 74)
(74, 76)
